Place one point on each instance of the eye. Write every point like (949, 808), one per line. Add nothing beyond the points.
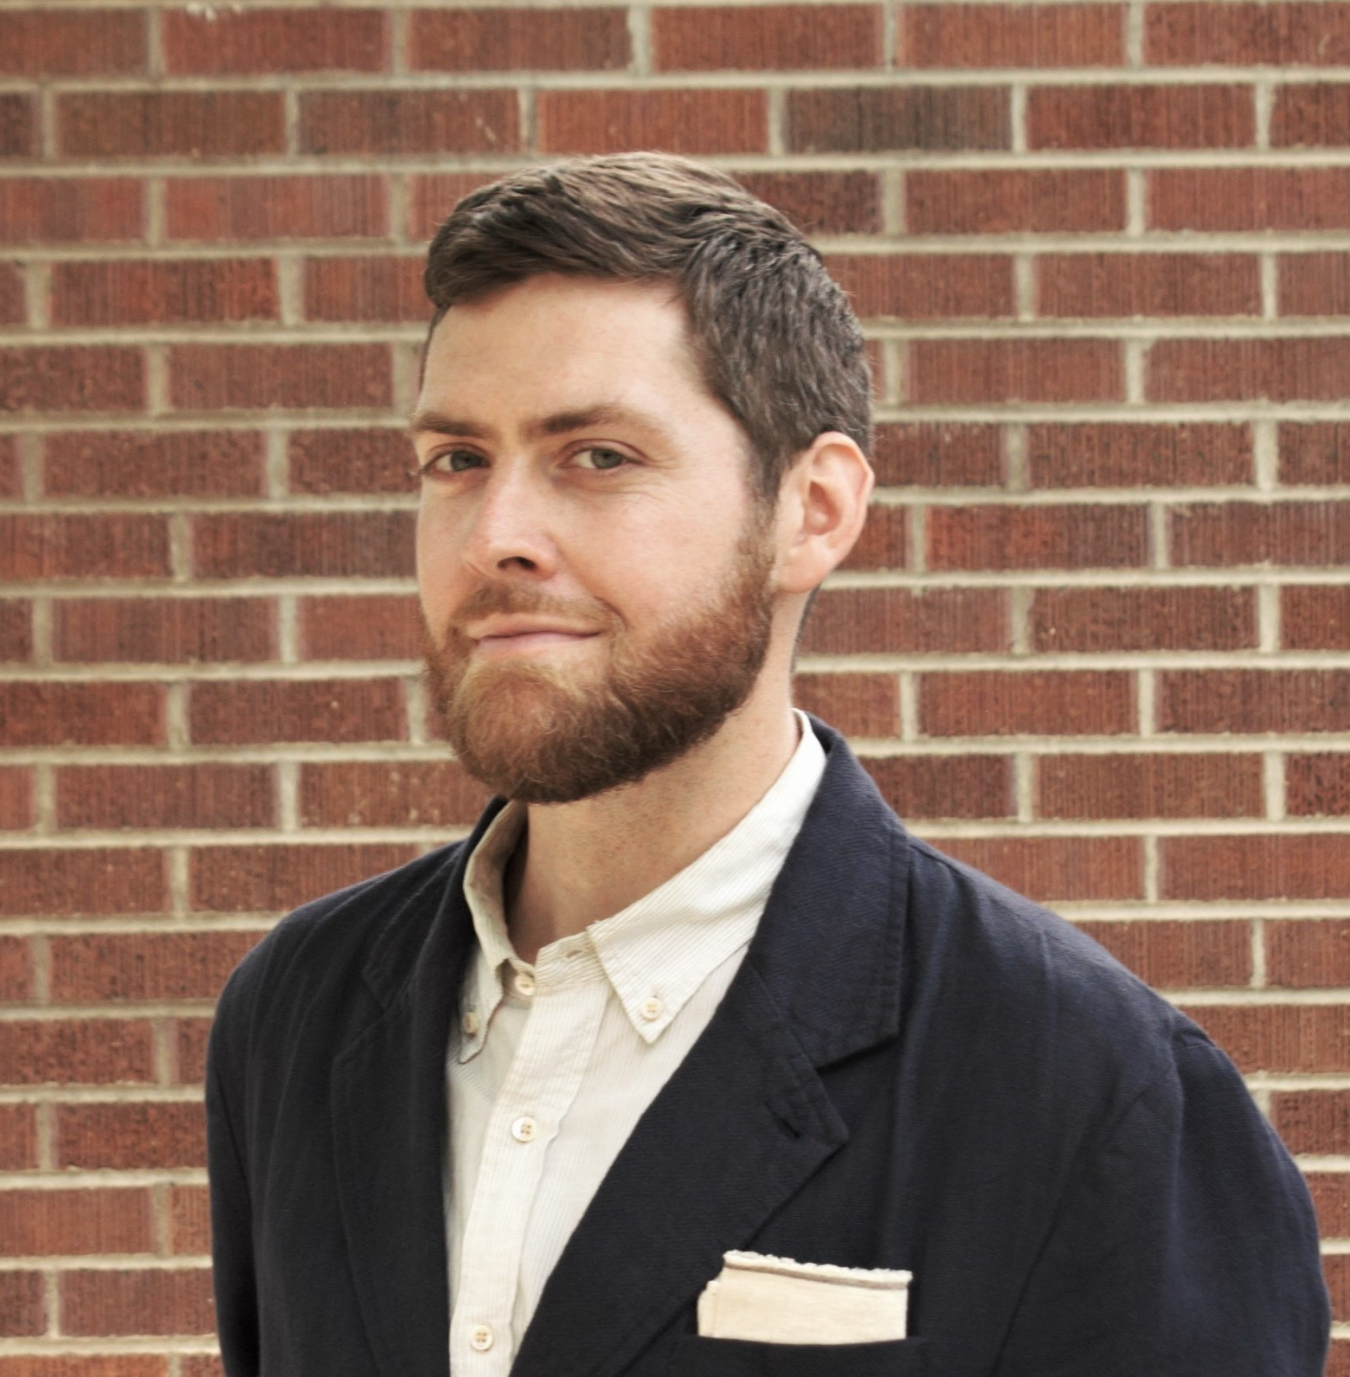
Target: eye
(601, 458)
(451, 461)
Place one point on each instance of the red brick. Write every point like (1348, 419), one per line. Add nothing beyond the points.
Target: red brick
(1057, 868)
(86, 1365)
(1249, 198)
(1330, 1192)
(75, 1221)
(1149, 786)
(1039, 703)
(231, 878)
(16, 797)
(381, 627)
(517, 38)
(678, 121)
(925, 286)
(1286, 533)
(141, 966)
(1314, 454)
(1317, 785)
(18, 126)
(43, 43)
(1308, 954)
(290, 207)
(169, 630)
(1256, 867)
(165, 796)
(884, 542)
(877, 119)
(1028, 201)
(1312, 1121)
(85, 881)
(1279, 370)
(857, 704)
(821, 202)
(366, 289)
(131, 1136)
(970, 371)
(297, 710)
(393, 121)
(1254, 700)
(1313, 115)
(83, 547)
(1200, 116)
(1248, 35)
(164, 292)
(1174, 955)
(178, 463)
(1097, 620)
(1314, 284)
(768, 38)
(343, 460)
(66, 714)
(157, 1301)
(944, 786)
(189, 1220)
(72, 378)
(1096, 536)
(1148, 284)
(83, 210)
(76, 1051)
(1336, 1272)
(166, 124)
(208, 1365)
(850, 621)
(411, 793)
(190, 1040)
(13, 306)
(16, 630)
(325, 544)
(257, 41)
(1280, 1038)
(932, 454)
(217, 377)
(18, 1138)
(1011, 35)
(432, 196)
(16, 971)
(23, 1307)
(1125, 456)
(9, 465)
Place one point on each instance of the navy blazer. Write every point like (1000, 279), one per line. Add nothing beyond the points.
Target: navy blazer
(914, 1068)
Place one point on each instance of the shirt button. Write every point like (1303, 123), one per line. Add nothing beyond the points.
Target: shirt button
(470, 1022)
(525, 1130)
(651, 1009)
(524, 984)
(480, 1338)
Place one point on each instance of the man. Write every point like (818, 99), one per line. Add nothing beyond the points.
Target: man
(693, 991)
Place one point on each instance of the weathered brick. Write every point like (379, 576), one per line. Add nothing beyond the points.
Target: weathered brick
(155, 1301)
(219, 377)
(165, 796)
(209, 1365)
(18, 1137)
(1099, 535)
(366, 289)
(1031, 200)
(291, 207)
(1308, 954)
(343, 460)
(18, 126)
(60, 210)
(411, 793)
(1312, 115)
(1247, 35)
(1148, 284)
(226, 879)
(1317, 785)
(163, 630)
(1149, 786)
(1199, 116)
(100, 1051)
(926, 286)
(1330, 1191)
(677, 121)
(13, 302)
(72, 378)
(83, 547)
(518, 38)
(880, 119)
(86, 1365)
(857, 704)
(1249, 198)
(177, 463)
(380, 627)
(884, 542)
(1113, 455)
(1313, 1121)
(190, 1038)
(768, 38)
(930, 787)
(1097, 620)
(1176, 955)
(16, 973)
(86, 881)
(164, 292)
(1314, 284)
(67, 714)
(1063, 869)
(1253, 700)
(10, 482)
(223, 713)
(1012, 35)
(168, 124)
(16, 797)
(16, 630)
(1285, 533)
(34, 1222)
(931, 454)
(1279, 370)
(141, 966)
(1274, 866)
(433, 195)
(1091, 702)
(324, 544)
(48, 43)
(276, 40)
(1279, 1037)
(850, 621)
(23, 1308)
(393, 121)
(127, 1136)
(821, 202)
(189, 1220)
(1314, 453)
(970, 371)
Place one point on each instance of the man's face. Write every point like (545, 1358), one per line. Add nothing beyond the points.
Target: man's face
(595, 575)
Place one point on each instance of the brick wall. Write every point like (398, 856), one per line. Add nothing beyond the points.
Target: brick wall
(1096, 639)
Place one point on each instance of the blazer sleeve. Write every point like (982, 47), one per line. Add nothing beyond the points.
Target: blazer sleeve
(1185, 1244)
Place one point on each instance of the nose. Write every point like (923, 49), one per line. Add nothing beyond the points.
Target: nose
(509, 531)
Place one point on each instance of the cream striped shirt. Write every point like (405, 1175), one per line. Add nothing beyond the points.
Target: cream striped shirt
(553, 1064)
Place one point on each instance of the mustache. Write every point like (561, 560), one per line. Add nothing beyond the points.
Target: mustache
(499, 599)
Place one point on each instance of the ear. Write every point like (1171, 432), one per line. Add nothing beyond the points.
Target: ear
(821, 508)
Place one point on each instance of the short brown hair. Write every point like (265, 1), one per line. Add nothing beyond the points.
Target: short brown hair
(775, 337)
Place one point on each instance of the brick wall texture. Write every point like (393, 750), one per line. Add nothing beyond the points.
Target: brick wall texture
(1096, 640)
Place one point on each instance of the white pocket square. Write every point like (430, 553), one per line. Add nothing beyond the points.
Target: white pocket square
(776, 1300)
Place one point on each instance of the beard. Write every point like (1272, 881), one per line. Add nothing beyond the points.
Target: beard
(541, 734)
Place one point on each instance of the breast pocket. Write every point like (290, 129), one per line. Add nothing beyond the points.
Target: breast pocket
(698, 1357)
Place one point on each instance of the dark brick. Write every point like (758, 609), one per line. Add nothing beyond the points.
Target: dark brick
(849, 621)
(351, 461)
(517, 38)
(1199, 116)
(392, 121)
(1315, 618)
(1317, 785)
(1149, 786)
(59, 210)
(33, 713)
(971, 371)
(100, 1051)
(164, 630)
(1025, 200)
(1254, 700)
(163, 292)
(291, 207)
(1040, 703)
(1172, 955)
(297, 710)
(944, 786)
(322, 544)
(47, 43)
(83, 547)
(219, 377)
(821, 202)
(1098, 535)
(277, 40)
(1101, 620)
(1012, 35)
(160, 124)
(375, 627)
(1064, 869)
(34, 882)
(178, 463)
(1257, 867)
(144, 966)
(1314, 454)
(932, 454)
(274, 878)
(131, 1136)
(1112, 455)
(881, 119)
(382, 794)
(72, 378)
(694, 122)
(857, 704)
(766, 38)
(1312, 115)
(165, 796)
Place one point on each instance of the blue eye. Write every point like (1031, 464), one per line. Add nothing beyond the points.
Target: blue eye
(453, 461)
(601, 458)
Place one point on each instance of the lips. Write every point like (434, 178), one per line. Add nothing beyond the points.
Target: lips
(497, 637)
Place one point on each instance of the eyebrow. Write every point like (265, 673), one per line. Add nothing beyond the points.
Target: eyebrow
(559, 423)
